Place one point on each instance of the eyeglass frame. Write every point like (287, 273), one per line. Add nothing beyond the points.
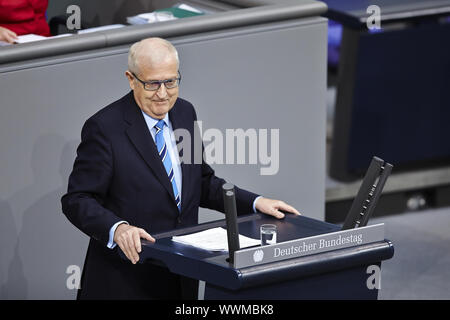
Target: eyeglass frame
(159, 82)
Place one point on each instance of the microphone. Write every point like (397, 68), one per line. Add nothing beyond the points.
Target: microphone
(229, 199)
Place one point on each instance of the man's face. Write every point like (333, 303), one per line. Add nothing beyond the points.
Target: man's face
(155, 103)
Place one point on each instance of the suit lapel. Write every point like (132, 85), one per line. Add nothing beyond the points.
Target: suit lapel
(141, 138)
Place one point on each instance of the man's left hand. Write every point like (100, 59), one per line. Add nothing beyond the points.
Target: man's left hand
(272, 207)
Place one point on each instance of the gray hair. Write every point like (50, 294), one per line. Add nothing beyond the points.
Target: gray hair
(150, 45)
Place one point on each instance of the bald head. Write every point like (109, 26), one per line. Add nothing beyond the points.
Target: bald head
(150, 52)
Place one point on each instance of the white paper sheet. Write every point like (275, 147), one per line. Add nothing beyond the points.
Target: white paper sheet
(102, 28)
(34, 37)
(214, 239)
(29, 38)
(157, 16)
(184, 6)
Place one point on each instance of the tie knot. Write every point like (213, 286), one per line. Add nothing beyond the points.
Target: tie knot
(159, 125)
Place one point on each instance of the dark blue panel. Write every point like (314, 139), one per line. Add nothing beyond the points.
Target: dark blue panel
(343, 284)
(401, 102)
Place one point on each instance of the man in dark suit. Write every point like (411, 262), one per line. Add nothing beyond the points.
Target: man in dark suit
(128, 181)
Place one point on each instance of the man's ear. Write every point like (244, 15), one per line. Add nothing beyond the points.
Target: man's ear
(130, 79)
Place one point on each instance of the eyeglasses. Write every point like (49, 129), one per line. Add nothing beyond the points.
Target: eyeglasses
(154, 85)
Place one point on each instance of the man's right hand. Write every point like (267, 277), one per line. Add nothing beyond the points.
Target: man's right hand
(128, 238)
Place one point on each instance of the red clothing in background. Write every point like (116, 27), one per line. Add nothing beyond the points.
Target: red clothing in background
(24, 16)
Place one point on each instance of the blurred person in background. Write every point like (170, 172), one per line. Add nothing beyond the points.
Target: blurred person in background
(19, 17)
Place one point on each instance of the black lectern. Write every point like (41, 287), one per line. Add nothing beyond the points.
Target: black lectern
(336, 274)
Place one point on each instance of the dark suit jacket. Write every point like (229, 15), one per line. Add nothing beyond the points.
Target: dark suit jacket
(118, 175)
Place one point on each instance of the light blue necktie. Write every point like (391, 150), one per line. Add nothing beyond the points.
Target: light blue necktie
(165, 158)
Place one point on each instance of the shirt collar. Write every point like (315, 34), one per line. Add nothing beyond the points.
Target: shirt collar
(151, 122)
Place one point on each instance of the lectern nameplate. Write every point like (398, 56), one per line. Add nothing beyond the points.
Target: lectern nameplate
(308, 246)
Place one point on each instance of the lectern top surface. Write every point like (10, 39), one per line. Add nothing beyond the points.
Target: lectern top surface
(290, 228)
